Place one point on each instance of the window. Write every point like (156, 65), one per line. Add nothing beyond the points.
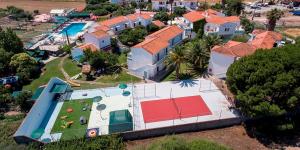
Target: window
(227, 29)
(180, 3)
(160, 3)
(192, 3)
(126, 25)
(157, 57)
(157, 69)
(140, 23)
(102, 41)
(166, 50)
(116, 29)
(133, 24)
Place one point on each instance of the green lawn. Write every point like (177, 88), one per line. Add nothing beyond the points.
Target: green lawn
(172, 75)
(76, 130)
(118, 78)
(52, 70)
(71, 67)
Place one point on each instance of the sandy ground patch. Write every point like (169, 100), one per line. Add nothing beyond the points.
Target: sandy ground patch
(42, 6)
(234, 137)
(294, 32)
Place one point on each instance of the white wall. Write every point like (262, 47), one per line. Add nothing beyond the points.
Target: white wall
(99, 43)
(220, 29)
(219, 63)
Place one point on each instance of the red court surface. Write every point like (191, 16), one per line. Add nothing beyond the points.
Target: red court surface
(176, 108)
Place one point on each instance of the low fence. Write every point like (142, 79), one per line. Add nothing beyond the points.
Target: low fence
(141, 134)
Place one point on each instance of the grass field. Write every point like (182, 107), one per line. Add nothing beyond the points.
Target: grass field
(172, 75)
(70, 67)
(76, 130)
(118, 78)
(52, 70)
(44, 6)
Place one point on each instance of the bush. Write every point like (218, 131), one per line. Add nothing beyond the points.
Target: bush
(241, 38)
(131, 37)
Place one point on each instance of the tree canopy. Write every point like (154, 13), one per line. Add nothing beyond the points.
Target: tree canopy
(267, 83)
(162, 16)
(273, 16)
(131, 37)
(247, 24)
(10, 42)
(233, 7)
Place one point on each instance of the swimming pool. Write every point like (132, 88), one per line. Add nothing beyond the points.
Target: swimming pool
(73, 29)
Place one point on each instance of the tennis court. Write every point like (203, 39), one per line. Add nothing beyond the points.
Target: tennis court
(174, 108)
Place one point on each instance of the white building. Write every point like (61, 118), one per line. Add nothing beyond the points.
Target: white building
(100, 39)
(216, 23)
(223, 56)
(120, 23)
(165, 5)
(146, 59)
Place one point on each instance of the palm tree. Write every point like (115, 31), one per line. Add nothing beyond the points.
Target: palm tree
(273, 16)
(197, 57)
(175, 59)
(210, 41)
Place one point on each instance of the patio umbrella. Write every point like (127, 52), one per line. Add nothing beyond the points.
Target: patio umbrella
(37, 133)
(97, 98)
(123, 86)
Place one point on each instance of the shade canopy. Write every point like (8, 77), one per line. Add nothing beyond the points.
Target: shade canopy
(97, 98)
(123, 86)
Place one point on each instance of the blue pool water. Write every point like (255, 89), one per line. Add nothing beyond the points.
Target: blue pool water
(48, 115)
(73, 29)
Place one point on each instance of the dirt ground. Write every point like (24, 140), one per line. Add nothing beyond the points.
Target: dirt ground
(294, 32)
(42, 5)
(234, 137)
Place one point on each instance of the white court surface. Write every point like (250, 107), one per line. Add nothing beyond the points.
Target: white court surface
(113, 100)
(210, 94)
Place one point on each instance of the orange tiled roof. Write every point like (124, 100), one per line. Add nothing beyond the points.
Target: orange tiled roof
(90, 46)
(158, 40)
(102, 27)
(99, 33)
(194, 16)
(221, 20)
(236, 49)
(113, 21)
(158, 23)
(265, 39)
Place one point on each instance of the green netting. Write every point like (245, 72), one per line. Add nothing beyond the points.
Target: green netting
(79, 15)
(37, 93)
(120, 121)
(59, 88)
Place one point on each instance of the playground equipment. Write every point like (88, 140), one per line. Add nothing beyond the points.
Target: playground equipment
(66, 124)
(69, 110)
(73, 84)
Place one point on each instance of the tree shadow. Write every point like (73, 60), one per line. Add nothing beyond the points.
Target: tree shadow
(275, 133)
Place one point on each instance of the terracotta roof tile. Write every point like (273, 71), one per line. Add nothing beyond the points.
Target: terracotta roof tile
(90, 46)
(158, 23)
(194, 16)
(221, 20)
(236, 49)
(99, 33)
(158, 40)
(113, 21)
(265, 39)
